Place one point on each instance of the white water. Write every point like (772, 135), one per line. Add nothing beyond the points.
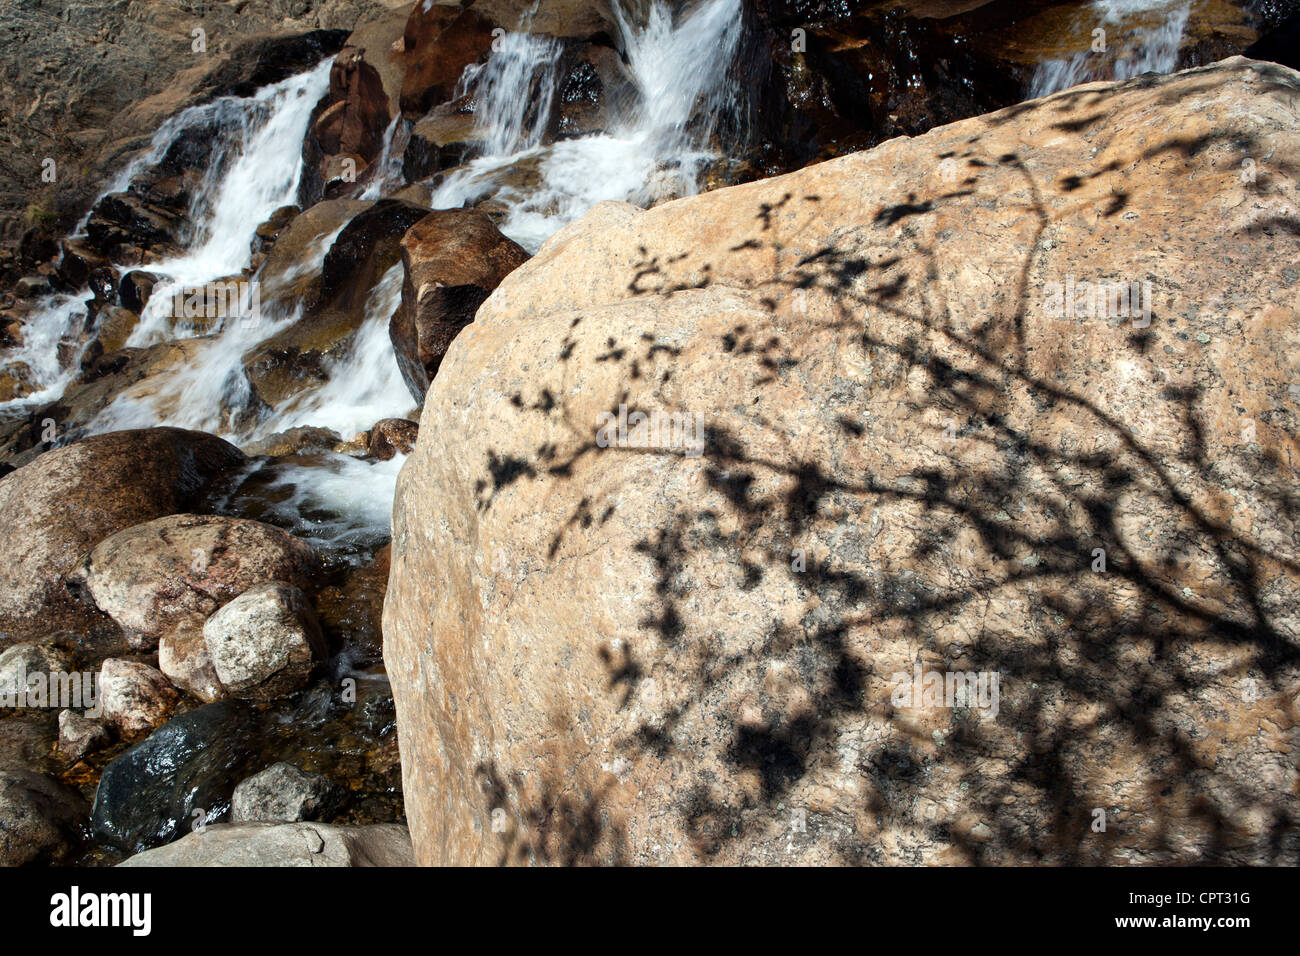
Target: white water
(651, 153)
(1141, 36)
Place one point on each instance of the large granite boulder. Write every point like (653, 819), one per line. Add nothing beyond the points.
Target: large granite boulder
(934, 504)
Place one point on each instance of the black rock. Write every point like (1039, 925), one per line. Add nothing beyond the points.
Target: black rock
(150, 794)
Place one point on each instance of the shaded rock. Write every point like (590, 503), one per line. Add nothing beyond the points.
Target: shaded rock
(453, 259)
(283, 792)
(285, 844)
(169, 574)
(80, 735)
(55, 509)
(265, 642)
(392, 436)
(134, 697)
(135, 288)
(179, 776)
(904, 458)
(38, 819)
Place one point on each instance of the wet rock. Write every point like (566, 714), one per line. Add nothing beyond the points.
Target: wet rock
(33, 287)
(911, 462)
(169, 574)
(283, 793)
(135, 698)
(453, 259)
(38, 819)
(180, 776)
(351, 612)
(363, 251)
(123, 219)
(78, 262)
(294, 441)
(357, 115)
(268, 232)
(265, 642)
(113, 326)
(285, 844)
(58, 507)
(135, 288)
(80, 735)
(439, 141)
(392, 436)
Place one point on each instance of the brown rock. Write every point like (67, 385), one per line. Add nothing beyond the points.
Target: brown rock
(392, 436)
(912, 460)
(453, 258)
(440, 40)
(364, 250)
(55, 509)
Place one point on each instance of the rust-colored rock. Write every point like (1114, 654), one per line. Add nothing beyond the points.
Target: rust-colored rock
(633, 647)
(453, 258)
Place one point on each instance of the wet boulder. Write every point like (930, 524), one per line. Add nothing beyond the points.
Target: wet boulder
(440, 40)
(177, 779)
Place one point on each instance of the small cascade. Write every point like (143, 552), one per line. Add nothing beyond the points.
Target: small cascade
(1141, 36)
(655, 150)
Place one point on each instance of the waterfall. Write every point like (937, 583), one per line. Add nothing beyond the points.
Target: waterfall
(655, 150)
(254, 171)
(1141, 36)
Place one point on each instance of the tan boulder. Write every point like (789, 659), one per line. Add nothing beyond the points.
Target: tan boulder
(899, 462)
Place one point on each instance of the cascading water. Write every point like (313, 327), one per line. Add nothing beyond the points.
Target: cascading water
(654, 151)
(1141, 36)
(654, 148)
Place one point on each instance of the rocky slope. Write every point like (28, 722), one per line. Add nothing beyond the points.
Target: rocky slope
(917, 462)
